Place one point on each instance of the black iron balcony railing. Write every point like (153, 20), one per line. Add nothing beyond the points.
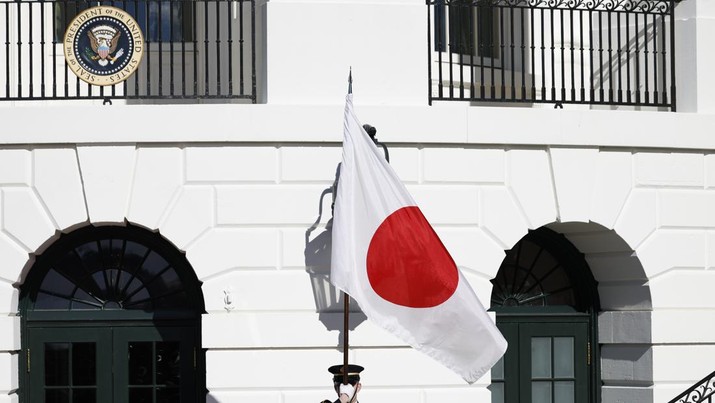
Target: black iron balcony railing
(701, 392)
(597, 52)
(193, 49)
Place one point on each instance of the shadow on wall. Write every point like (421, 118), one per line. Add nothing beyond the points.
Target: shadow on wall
(328, 300)
(622, 282)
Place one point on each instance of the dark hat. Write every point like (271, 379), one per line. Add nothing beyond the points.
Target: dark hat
(353, 373)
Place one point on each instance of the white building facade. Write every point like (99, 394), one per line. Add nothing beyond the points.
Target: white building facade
(235, 198)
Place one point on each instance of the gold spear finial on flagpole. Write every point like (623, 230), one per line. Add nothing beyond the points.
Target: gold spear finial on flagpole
(350, 81)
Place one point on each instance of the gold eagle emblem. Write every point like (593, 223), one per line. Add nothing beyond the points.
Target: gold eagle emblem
(104, 41)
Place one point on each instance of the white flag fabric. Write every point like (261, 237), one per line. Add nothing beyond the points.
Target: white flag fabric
(389, 259)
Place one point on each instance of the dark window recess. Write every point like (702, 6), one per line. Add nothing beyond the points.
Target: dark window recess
(544, 269)
(125, 270)
(472, 30)
(111, 273)
(164, 21)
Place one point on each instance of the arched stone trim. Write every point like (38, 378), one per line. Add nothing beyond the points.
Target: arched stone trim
(625, 319)
(70, 187)
(617, 190)
(119, 268)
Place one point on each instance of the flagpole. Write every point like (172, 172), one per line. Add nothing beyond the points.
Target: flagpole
(346, 297)
(346, 314)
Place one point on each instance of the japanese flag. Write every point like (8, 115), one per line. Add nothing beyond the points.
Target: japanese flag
(389, 259)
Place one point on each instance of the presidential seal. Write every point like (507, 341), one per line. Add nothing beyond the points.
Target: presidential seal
(103, 45)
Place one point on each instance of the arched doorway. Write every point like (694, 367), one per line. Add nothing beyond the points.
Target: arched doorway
(111, 314)
(546, 301)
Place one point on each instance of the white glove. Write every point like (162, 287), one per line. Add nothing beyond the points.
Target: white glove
(347, 390)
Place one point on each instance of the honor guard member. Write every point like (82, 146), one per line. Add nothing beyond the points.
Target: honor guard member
(346, 393)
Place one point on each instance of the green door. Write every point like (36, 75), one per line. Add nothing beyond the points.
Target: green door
(554, 368)
(111, 364)
(546, 362)
(70, 365)
(154, 365)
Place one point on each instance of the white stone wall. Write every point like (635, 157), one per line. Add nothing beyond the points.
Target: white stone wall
(241, 212)
(238, 186)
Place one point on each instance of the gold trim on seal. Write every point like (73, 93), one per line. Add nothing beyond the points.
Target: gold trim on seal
(130, 26)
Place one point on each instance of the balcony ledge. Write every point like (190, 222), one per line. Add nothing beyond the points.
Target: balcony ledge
(450, 123)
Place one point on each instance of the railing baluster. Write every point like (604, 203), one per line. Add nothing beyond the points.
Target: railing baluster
(620, 59)
(563, 57)
(502, 52)
(628, 59)
(7, 51)
(206, 48)
(543, 58)
(19, 49)
(637, 62)
(77, 90)
(655, 59)
(583, 67)
(450, 51)
(172, 4)
(523, 57)
(184, 33)
(511, 63)
(30, 52)
(672, 55)
(482, 87)
(492, 52)
(610, 59)
(194, 22)
(463, 44)
(645, 58)
(429, 54)
(160, 41)
(600, 56)
(441, 46)
(148, 41)
(218, 47)
(66, 68)
(473, 52)
(591, 55)
(42, 48)
(553, 57)
(229, 46)
(113, 88)
(573, 59)
(533, 57)
(253, 51)
(665, 65)
(137, 74)
(88, 85)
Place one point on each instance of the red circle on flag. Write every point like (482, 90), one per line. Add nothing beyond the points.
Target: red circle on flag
(407, 264)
